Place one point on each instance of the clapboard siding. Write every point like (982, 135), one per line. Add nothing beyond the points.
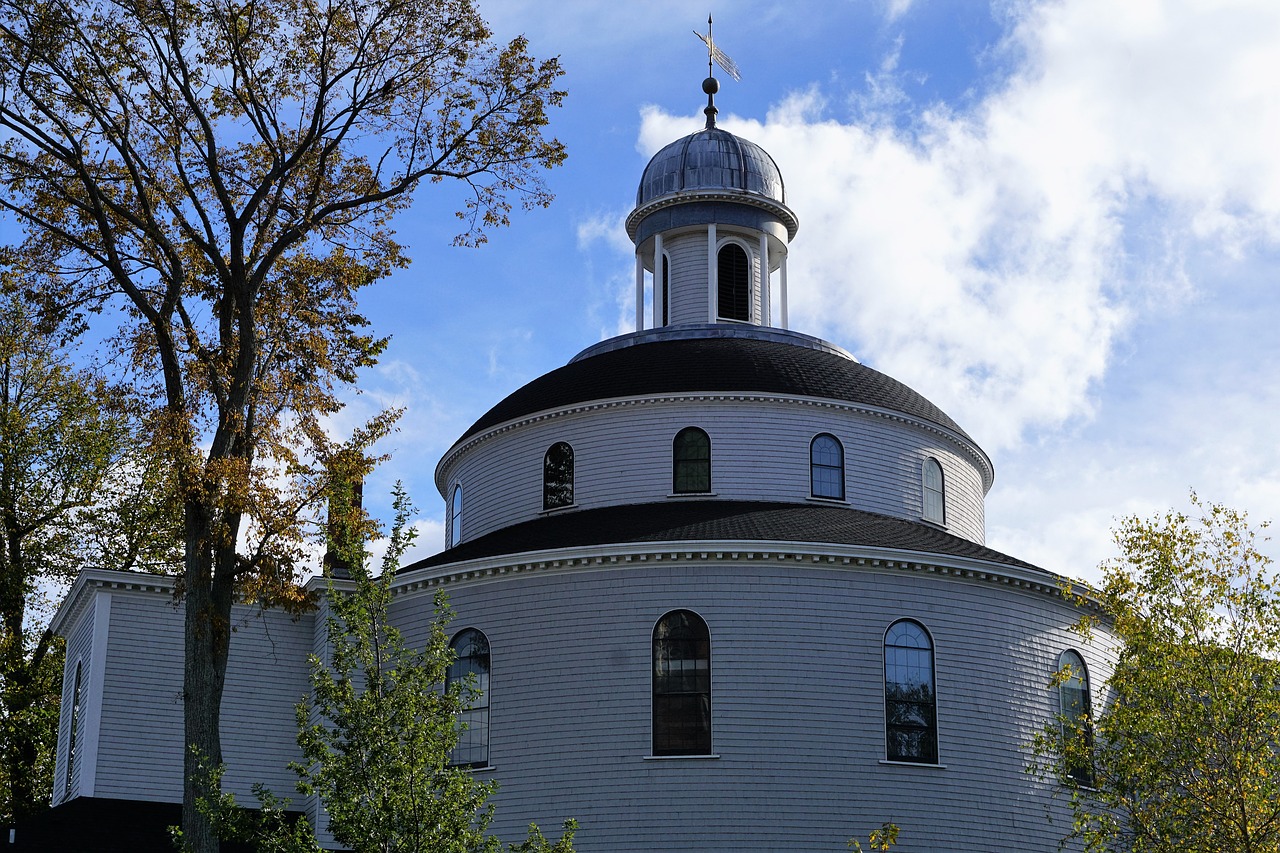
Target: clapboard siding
(760, 451)
(140, 744)
(797, 669)
(687, 254)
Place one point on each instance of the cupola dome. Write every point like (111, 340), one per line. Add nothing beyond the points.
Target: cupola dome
(711, 160)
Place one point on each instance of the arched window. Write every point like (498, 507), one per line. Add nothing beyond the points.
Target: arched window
(455, 516)
(1074, 708)
(910, 706)
(557, 476)
(691, 462)
(71, 736)
(681, 685)
(733, 277)
(471, 658)
(666, 290)
(935, 505)
(826, 467)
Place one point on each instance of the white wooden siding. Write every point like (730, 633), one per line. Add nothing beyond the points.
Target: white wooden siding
(759, 451)
(797, 693)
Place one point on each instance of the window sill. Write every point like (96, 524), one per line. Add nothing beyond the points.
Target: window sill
(913, 764)
(818, 499)
(936, 525)
(556, 509)
(680, 757)
(678, 495)
(469, 767)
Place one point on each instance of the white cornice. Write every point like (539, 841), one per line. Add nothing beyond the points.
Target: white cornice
(780, 554)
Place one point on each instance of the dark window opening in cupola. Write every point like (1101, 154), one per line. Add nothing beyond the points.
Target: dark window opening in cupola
(691, 462)
(734, 284)
(557, 476)
(666, 290)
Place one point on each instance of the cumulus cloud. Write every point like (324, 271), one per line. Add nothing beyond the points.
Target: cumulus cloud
(991, 257)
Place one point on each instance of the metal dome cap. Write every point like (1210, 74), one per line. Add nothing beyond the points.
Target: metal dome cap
(711, 159)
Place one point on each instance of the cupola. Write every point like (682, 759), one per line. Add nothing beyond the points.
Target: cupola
(711, 227)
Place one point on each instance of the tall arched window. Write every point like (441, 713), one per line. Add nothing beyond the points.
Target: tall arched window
(1075, 709)
(691, 462)
(826, 467)
(935, 504)
(455, 516)
(71, 736)
(681, 685)
(910, 705)
(733, 277)
(471, 658)
(557, 476)
(666, 290)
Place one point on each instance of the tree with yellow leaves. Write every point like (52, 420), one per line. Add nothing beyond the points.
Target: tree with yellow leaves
(218, 175)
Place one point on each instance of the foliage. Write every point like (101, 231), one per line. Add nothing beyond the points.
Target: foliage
(1186, 754)
(377, 731)
(880, 840)
(219, 176)
(64, 436)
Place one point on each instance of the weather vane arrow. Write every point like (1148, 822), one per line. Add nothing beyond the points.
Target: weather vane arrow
(717, 55)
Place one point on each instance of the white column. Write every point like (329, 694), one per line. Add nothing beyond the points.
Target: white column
(782, 291)
(711, 273)
(764, 279)
(657, 281)
(639, 291)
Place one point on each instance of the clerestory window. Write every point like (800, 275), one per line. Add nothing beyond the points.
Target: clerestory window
(826, 467)
(557, 476)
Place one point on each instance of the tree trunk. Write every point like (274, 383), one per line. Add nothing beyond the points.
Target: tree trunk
(208, 597)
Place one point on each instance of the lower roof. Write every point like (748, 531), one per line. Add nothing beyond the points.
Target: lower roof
(711, 520)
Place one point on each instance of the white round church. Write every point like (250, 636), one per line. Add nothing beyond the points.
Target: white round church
(725, 588)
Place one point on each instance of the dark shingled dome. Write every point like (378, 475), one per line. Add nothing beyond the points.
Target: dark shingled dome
(711, 159)
(709, 521)
(713, 365)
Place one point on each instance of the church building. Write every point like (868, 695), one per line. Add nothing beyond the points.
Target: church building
(724, 588)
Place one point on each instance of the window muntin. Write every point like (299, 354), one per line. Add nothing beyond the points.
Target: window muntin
(733, 283)
(557, 476)
(691, 462)
(681, 685)
(455, 516)
(826, 467)
(1075, 710)
(935, 508)
(910, 703)
(471, 651)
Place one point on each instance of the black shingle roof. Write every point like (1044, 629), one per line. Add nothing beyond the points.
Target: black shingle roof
(711, 520)
(713, 365)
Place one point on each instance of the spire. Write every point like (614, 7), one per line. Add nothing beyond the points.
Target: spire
(711, 85)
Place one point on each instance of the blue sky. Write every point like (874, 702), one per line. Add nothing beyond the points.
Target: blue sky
(1058, 221)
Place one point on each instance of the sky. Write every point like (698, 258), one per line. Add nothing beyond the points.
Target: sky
(1059, 221)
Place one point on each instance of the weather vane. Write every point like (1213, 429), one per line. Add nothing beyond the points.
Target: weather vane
(711, 85)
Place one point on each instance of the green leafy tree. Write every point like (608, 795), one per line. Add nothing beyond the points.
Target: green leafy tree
(879, 841)
(377, 731)
(1185, 753)
(219, 176)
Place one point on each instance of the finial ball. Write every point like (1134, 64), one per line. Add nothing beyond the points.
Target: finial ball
(711, 85)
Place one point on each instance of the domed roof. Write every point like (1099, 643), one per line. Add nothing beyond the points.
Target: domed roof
(673, 365)
(711, 159)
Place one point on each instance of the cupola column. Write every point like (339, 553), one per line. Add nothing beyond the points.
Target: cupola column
(639, 291)
(765, 318)
(782, 293)
(659, 298)
(712, 273)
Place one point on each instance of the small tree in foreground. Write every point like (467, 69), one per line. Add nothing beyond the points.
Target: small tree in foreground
(1186, 751)
(378, 729)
